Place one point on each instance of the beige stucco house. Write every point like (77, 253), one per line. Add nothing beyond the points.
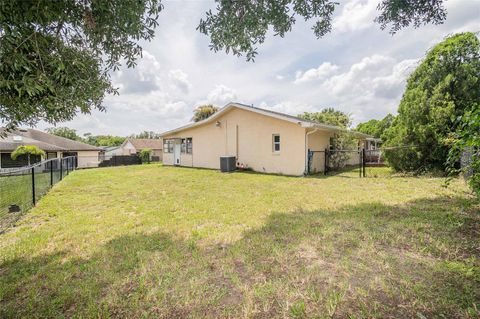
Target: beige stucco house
(135, 145)
(262, 140)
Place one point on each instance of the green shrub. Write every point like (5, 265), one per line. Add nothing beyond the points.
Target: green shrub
(27, 150)
(145, 155)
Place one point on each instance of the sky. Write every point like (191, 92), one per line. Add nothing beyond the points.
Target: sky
(357, 68)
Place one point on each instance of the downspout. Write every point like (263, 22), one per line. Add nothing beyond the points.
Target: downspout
(306, 149)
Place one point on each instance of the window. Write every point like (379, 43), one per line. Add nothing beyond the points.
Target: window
(183, 146)
(332, 143)
(276, 143)
(168, 146)
(186, 145)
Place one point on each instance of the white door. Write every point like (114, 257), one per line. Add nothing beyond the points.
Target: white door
(176, 153)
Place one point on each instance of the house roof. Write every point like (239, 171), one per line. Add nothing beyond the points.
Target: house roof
(44, 141)
(109, 148)
(141, 143)
(278, 115)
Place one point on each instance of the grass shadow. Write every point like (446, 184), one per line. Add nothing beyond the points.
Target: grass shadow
(368, 260)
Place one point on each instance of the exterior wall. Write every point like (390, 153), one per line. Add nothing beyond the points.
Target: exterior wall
(128, 149)
(117, 151)
(318, 141)
(248, 136)
(158, 152)
(87, 159)
(168, 158)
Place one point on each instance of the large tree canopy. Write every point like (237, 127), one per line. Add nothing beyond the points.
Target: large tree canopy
(55, 56)
(376, 128)
(65, 132)
(240, 26)
(439, 92)
(203, 112)
(329, 116)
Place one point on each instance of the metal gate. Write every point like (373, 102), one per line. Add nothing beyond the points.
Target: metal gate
(336, 161)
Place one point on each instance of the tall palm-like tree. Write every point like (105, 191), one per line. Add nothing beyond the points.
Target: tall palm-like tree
(203, 112)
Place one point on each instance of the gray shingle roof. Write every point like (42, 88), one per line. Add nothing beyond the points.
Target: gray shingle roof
(141, 143)
(42, 140)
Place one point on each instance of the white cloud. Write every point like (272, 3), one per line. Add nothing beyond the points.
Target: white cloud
(180, 80)
(356, 15)
(144, 78)
(320, 73)
(289, 107)
(357, 78)
(221, 95)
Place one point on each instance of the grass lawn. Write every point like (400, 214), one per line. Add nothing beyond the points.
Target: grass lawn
(16, 189)
(153, 241)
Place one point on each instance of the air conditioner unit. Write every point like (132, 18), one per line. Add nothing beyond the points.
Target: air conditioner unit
(17, 138)
(228, 163)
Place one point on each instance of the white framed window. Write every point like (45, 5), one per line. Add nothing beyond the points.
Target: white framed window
(186, 146)
(189, 143)
(276, 143)
(168, 146)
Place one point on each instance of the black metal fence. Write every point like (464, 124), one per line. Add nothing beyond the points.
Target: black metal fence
(120, 160)
(358, 162)
(21, 188)
(331, 162)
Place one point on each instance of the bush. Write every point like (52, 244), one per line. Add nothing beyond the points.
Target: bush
(145, 155)
(27, 150)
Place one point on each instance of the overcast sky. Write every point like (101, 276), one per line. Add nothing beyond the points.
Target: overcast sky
(357, 68)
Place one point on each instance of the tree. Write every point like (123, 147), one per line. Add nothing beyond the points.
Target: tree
(376, 128)
(55, 56)
(109, 140)
(401, 13)
(64, 132)
(239, 26)
(103, 140)
(329, 116)
(203, 112)
(466, 148)
(27, 150)
(146, 135)
(439, 92)
(341, 140)
(145, 155)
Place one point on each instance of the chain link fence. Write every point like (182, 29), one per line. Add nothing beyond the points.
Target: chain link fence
(333, 162)
(21, 188)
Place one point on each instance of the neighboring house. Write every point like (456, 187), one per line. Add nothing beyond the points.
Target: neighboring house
(110, 151)
(373, 152)
(54, 146)
(373, 143)
(135, 145)
(262, 140)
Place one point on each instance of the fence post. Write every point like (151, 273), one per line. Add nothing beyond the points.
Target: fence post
(360, 163)
(363, 161)
(33, 186)
(325, 162)
(51, 173)
(61, 168)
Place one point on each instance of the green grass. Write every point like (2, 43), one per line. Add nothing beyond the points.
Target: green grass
(153, 241)
(17, 190)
